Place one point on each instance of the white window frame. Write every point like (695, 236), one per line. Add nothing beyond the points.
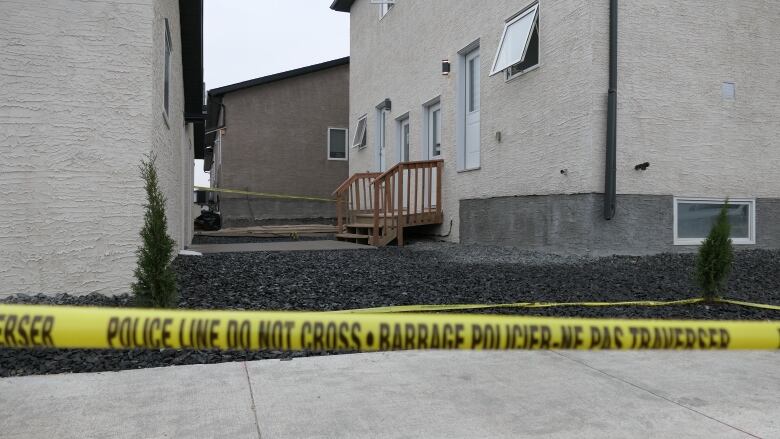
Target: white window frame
(168, 52)
(346, 144)
(751, 202)
(384, 6)
(360, 140)
(533, 9)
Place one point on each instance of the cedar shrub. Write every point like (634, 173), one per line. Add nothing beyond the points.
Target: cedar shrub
(715, 257)
(155, 285)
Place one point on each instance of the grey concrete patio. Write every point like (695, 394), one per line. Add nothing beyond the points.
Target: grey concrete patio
(283, 246)
(412, 394)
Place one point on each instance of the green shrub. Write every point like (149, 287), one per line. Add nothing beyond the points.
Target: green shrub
(155, 285)
(715, 257)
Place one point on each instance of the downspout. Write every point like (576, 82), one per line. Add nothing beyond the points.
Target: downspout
(610, 184)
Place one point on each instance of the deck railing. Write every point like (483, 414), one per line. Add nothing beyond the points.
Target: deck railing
(408, 194)
(354, 197)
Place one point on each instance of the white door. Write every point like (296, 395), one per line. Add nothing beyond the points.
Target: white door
(380, 130)
(404, 137)
(472, 110)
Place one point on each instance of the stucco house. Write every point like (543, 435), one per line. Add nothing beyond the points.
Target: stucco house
(87, 89)
(284, 134)
(569, 125)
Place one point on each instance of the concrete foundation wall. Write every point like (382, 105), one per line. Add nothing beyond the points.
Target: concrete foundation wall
(574, 223)
(248, 212)
(277, 142)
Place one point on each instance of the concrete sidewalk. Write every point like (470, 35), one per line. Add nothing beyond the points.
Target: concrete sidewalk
(281, 246)
(412, 394)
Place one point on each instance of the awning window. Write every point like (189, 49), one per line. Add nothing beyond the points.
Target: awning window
(514, 42)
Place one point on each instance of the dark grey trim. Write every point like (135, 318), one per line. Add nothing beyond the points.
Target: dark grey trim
(610, 164)
(342, 5)
(191, 21)
(279, 76)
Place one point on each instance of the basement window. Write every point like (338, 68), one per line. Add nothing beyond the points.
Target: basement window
(337, 143)
(518, 50)
(360, 140)
(694, 218)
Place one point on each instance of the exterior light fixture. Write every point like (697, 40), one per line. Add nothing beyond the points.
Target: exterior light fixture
(445, 67)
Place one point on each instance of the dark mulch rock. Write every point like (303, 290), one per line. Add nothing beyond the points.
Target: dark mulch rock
(417, 274)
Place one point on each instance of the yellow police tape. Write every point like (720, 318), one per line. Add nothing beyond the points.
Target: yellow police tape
(464, 307)
(264, 195)
(117, 328)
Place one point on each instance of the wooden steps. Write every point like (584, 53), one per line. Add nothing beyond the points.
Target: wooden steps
(374, 208)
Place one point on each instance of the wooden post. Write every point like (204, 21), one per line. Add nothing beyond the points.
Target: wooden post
(401, 221)
(375, 236)
(439, 168)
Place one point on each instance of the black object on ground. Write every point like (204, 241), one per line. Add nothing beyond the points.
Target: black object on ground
(416, 274)
(208, 221)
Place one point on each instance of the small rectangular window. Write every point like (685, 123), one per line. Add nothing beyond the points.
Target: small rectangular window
(694, 218)
(168, 51)
(385, 6)
(434, 130)
(337, 143)
(360, 133)
(519, 45)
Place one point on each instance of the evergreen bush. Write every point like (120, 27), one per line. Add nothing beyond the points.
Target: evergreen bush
(155, 285)
(715, 257)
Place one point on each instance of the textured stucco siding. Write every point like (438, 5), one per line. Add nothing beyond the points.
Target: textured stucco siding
(170, 140)
(544, 116)
(277, 142)
(673, 59)
(75, 96)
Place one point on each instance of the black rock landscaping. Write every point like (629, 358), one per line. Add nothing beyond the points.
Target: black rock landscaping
(423, 273)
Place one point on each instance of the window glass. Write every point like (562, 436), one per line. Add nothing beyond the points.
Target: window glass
(515, 40)
(360, 133)
(695, 220)
(436, 131)
(337, 143)
(405, 134)
(168, 50)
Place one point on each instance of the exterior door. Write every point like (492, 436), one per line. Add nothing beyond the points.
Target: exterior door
(472, 110)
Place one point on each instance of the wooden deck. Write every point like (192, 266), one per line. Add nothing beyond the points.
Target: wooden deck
(375, 208)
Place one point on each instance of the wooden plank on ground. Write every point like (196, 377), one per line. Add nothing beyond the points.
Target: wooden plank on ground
(272, 231)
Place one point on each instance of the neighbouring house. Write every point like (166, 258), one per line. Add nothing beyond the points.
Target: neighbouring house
(513, 97)
(281, 134)
(87, 89)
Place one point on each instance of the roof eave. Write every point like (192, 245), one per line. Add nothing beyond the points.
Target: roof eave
(342, 5)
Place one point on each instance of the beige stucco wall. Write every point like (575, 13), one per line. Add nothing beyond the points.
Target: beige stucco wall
(673, 59)
(76, 88)
(548, 109)
(171, 141)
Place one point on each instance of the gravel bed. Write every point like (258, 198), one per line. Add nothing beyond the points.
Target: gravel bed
(423, 273)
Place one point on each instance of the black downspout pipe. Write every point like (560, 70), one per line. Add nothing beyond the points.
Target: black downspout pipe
(610, 184)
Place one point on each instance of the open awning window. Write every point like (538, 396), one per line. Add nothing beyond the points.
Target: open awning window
(514, 42)
(360, 133)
